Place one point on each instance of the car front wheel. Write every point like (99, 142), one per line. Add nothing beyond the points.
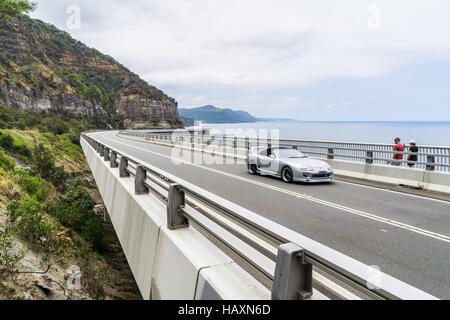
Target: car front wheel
(286, 174)
(252, 169)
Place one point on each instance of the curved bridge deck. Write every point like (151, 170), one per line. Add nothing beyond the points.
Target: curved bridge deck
(406, 235)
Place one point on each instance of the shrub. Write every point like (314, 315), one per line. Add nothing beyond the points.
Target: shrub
(55, 125)
(59, 177)
(23, 150)
(31, 184)
(6, 162)
(21, 124)
(76, 211)
(6, 141)
(9, 258)
(43, 162)
(75, 139)
(27, 214)
(44, 165)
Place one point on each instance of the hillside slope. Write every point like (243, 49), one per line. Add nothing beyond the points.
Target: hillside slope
(44, 68)
(51, 214)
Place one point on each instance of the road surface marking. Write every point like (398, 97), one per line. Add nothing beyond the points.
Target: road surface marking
(371, 216)
(395, 191)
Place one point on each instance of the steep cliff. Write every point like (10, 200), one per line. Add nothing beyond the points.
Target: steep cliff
(44, 68)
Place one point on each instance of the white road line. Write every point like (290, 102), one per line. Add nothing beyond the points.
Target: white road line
(395, 191)
(360, 213)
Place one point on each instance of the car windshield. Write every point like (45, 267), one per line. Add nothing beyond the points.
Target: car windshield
(290, 153)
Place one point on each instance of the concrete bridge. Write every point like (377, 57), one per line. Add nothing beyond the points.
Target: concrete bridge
(209, 230)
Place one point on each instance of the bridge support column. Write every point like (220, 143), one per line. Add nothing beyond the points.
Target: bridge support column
(224, 146)
(123, 167)
(113, 159)
(369, 157)
(106, 154)
(430, 166)
(139, 184)
(175, 202)
(330, 153)
(247, 146)
(293, 275)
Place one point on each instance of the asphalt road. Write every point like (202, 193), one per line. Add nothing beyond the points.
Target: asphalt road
(406, 236)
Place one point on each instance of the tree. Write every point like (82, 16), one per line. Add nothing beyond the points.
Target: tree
(9, 8)
(44, 165)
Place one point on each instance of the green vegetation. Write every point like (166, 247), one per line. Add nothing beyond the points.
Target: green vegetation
(9, 258)
(58, 122)
(45, 183)
(9, 8)
(44, 165)
(75, 211)
(6, 163)
(30, 222)
(47, 204)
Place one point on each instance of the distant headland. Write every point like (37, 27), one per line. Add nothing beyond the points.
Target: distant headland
(212, 114)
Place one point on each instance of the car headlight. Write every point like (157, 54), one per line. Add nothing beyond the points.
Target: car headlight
(306, 169)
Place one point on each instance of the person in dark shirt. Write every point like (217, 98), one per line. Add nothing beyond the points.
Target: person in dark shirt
(412, 158)
(398, 156)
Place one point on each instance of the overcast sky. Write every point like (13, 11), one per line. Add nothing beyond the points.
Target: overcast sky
(308, 60)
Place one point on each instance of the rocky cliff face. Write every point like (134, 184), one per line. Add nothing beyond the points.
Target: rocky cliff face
(43, 68)
(24, 98)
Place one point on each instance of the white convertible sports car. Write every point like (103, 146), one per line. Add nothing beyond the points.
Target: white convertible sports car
(289, 164)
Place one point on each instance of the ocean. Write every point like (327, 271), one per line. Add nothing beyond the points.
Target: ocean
(425, 133)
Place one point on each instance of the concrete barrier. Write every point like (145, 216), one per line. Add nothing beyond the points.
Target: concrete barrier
(428, 180)
(167, 264)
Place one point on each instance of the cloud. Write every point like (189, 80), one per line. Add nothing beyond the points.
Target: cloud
(235, 52)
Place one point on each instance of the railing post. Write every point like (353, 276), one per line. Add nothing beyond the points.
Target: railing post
(224, 146)
(330, 153)
(175, 202)
(123, 167)
(106, 154)
(141, 175)
(430, 166)
(293, 275)
(247, 145)
(369, 157)
(113, 159)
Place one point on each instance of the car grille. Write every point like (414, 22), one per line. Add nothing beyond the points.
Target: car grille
(321, 175)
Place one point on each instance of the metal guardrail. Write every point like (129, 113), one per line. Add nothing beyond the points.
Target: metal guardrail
(431, 158)
(282, 255)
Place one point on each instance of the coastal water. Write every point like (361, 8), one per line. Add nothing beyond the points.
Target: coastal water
(425, 133)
